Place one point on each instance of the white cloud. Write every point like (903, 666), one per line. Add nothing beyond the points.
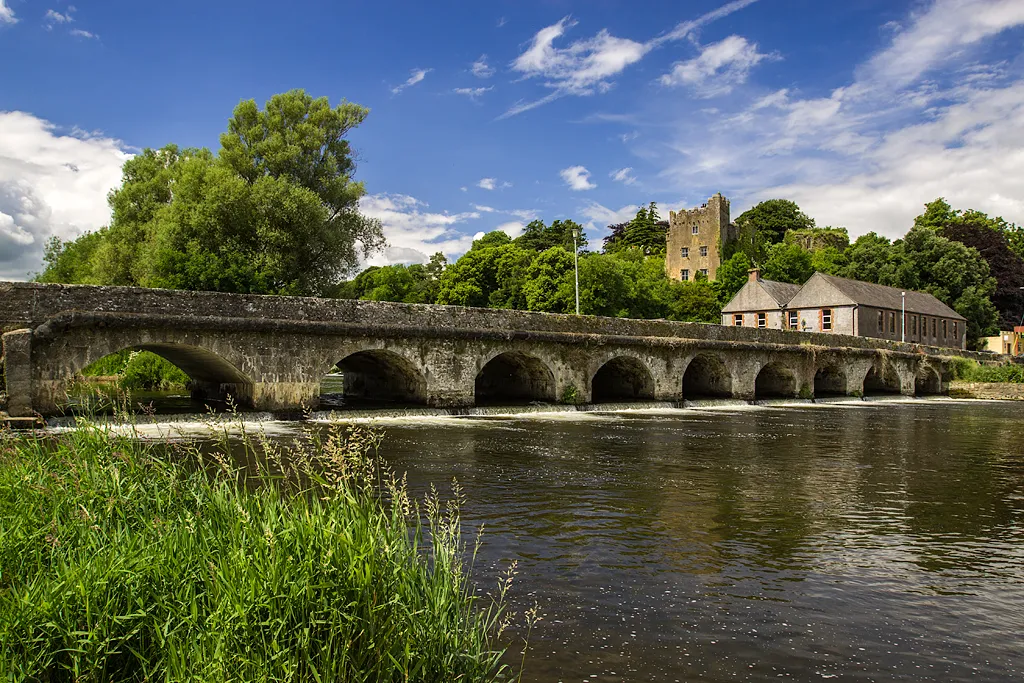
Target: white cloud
(83, 34)
(51, 184)
(481, 69)
(7, 14)
(577, 178)
(586, 67)
(487, 183)
(484, 209)
(623, 175)
(472, 93)
(413, 233)
(718, 68)
(513, 228)
(921, 118)
(417, 76)
(53, 17)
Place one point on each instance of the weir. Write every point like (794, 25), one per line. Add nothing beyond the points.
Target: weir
(270, 353)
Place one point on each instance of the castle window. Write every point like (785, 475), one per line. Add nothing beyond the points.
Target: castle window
(704, 272)
(685, 252)
(826, 320)
(703, 251)
(684, 274)
(794, 320)
(737, 319)
(762, 320)
(696, 230)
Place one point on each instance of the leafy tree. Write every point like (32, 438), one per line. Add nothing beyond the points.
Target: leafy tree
(495, 238)
(731, 277)
(70, 261)
(771, 219)
(549, 285)
(788, 263)
(413, 284)
(695, 301)
(646, 232)
(1004, 265)
(540, 237)
(829, 260)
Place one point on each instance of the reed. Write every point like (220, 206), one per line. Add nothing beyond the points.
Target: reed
(122, 560)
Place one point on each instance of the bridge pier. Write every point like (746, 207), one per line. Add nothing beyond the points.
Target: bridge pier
(17, 357)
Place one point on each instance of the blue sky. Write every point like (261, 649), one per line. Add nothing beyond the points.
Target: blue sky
(486, 115)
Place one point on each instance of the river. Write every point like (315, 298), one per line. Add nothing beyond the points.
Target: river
(873, 541)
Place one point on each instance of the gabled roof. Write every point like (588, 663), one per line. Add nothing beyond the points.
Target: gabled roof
(760, 295)
(880, 296)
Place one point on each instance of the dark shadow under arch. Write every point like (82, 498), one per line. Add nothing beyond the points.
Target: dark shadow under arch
(829, 381)
(375, 376)
(881, 382)
(514, 377)
(707, 377)
(927, 382)
(622, 379)
(775, 381)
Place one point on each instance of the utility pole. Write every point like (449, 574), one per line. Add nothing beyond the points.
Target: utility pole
(903, 320)
(576, 265)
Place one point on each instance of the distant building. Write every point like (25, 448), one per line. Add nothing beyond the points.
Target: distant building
(836, 305)
(1007, 342)
(695, 238)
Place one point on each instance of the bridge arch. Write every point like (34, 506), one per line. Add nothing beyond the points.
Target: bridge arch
(378, 375)
(622, 378)
(927, 381)
(830, 380)
(514, 376)
(775, 380)
(881, 379)
(707, 376)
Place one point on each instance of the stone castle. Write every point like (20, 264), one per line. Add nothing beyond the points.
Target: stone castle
(695, 238)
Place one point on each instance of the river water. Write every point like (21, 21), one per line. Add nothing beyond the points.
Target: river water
(873, 541)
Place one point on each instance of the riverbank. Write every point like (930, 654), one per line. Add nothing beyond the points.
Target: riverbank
(990, 391)
(123, 559)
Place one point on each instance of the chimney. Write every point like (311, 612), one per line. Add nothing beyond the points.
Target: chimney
(753, 275)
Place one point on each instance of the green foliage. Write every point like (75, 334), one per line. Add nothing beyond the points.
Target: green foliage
(787, 263)
(138, 371)
(540, 237)
(829, 260)
(772, 219)
(646, 232)
(571, 395)
(732, 275)
(123, 560)
(275, 212)
(548, 285)
(973, 371)
(415, 284)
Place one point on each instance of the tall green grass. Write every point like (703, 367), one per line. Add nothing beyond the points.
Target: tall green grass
(972, 371)
(122, 560)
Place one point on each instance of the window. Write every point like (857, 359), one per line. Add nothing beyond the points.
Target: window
(933, 326)
(684, 274)
(881, 323)
(794, 320)
(704, 272)
(826, 319)
(955, 335)
(913, 325)
(737, 319)
(892, 323)
(762, 320)
(945, 330)
(703, 251)
(685, 252)
(695, 230)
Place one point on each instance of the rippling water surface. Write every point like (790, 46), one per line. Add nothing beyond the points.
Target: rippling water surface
(863, 541)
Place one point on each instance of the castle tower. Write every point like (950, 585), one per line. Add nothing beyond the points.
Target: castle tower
(695, 238)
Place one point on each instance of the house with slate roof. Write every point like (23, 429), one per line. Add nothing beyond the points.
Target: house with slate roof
(836, 305)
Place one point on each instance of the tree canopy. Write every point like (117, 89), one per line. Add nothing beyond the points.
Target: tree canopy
(274, 212)
(646, 232)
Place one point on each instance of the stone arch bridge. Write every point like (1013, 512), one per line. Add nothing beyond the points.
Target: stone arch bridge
(272, 352)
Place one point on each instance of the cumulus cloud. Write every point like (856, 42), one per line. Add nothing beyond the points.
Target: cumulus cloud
(718, 68)
(51, 184)
(472, 93)
(919, 119)
(7, 14)
(414, 233)
(589, 66)
(53, 17)
(577, 178)
(481, 69)
(417, 76)
(492, 184)
(623, 175)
